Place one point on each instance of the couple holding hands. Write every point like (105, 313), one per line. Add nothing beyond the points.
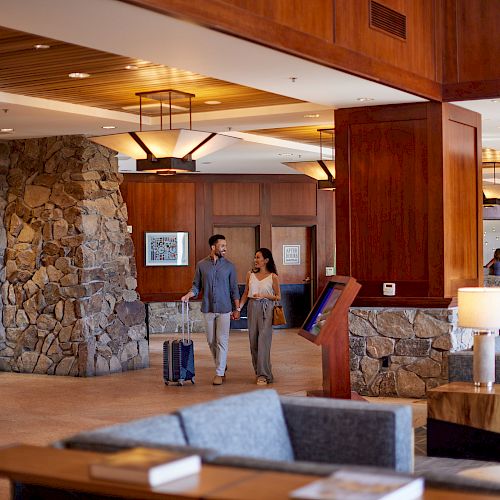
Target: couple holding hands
(217, 277)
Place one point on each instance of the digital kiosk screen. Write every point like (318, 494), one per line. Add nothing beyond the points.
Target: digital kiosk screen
(323, 308)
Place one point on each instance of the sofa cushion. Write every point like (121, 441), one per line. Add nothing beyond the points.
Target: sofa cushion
(350, 432)
(250, 425)
(152, 431)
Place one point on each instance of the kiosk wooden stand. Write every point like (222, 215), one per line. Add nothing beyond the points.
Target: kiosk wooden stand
(328, 326)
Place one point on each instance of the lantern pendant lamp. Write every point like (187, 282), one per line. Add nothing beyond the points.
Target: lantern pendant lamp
(322, 170)
(166, 150)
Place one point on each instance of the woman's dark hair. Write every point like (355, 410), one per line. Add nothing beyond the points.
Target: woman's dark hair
(215, 238)
(267, 254)
(496, 255)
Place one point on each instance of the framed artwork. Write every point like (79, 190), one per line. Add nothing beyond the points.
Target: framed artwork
(291, 255)
(167, 249)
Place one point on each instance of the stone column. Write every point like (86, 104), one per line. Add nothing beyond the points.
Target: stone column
(4, 168)
(70, 305)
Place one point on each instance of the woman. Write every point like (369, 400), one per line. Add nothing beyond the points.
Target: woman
(262, 289)
(494, 264)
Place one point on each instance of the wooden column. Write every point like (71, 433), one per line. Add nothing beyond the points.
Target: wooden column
(409, 201)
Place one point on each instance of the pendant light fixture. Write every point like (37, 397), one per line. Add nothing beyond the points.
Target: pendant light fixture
(323, 170)
(170, 150)
(491, 190)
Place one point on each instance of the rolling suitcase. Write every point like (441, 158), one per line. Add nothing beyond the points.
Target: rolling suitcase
(178, 355)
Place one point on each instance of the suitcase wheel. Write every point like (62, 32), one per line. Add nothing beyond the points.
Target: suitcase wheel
(192, 380)
(166, 382)
(181, 381)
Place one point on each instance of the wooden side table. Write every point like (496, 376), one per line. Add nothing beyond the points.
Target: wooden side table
(463, 421)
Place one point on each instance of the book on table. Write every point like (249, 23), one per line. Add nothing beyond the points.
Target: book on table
(353, 485)
(146, 466)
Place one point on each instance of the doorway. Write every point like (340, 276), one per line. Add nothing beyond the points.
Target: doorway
(292, 248)
(242, 243)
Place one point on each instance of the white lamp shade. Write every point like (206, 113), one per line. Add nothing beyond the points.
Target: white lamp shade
(313, 168)
(174, 143)
(479, 308)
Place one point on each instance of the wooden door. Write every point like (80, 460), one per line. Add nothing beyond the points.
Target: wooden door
(242, 242)
(292, 252)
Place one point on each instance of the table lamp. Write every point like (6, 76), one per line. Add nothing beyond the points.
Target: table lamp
(479, 309)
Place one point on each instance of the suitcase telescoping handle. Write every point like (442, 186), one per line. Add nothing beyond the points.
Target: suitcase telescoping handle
(185, 323)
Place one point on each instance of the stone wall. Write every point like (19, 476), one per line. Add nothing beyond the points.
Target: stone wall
(69, 300)
(166, 317)
(403, 352)
(4, 168)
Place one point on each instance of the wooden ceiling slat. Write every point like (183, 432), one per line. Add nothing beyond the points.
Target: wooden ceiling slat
(44, 73)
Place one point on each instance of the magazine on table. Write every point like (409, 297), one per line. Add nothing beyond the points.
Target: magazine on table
(352, 485)
(146, 466)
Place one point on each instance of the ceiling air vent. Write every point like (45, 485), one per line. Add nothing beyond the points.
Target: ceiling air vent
(389, 21)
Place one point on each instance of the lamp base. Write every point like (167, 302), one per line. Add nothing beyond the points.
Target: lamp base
(484, 359)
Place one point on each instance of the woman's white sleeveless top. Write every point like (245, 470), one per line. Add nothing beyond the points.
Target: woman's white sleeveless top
(256, 287)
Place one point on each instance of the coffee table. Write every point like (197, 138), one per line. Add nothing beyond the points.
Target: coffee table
(463, 421)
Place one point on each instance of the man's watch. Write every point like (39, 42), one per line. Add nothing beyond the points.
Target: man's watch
(238, 309)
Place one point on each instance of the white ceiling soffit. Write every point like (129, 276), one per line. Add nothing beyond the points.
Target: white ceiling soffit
(127, 30)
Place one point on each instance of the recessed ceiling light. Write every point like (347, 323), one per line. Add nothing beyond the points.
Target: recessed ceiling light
(78, 75)
(41, 46)
(285, 154)
(212, 102)
(6, 130)
(206, 162)
(131, 66)
(312, 116)
(108, 127)
(365, 99)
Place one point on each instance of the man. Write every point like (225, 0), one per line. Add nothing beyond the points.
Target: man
(217, 276)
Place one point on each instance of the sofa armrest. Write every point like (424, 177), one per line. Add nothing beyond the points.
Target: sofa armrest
(350, 432)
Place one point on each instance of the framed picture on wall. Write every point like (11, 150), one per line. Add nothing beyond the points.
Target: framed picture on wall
(167, 249)
(291, 255)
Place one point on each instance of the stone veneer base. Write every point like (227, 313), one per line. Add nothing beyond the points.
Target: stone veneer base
(400, 352)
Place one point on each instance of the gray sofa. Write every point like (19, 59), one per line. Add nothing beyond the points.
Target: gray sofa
(316, 436)
(288, 433)
(460, 364)
(262, 430)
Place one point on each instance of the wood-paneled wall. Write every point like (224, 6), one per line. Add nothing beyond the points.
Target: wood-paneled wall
(408, 201)
(471, 49)
(249, 205)
(335, 33)
(450, 51)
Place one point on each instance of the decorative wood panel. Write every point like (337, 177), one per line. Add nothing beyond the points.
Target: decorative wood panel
(231, 198)
(408, 201)
(472, 41)
(158, 207)
(296, 273)
(293, 199)
(314, 16)
(463, 254)
(478, 40)
(241, 247)
(273, 31)
(193, 208)
(389, 202)
(416, 53)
